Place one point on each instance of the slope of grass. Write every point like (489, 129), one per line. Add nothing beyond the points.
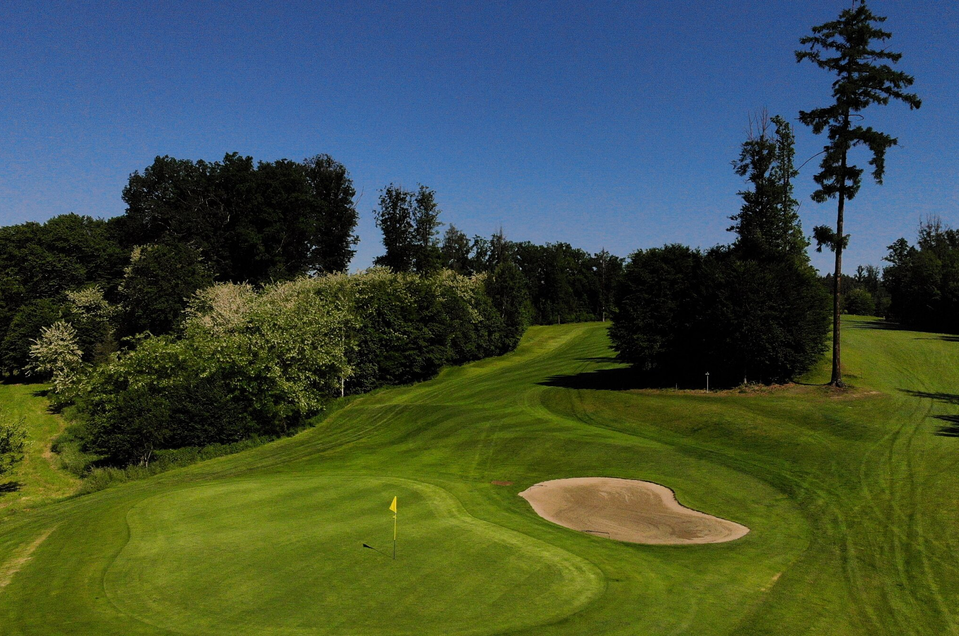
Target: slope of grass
(850, 497)
(39, 478)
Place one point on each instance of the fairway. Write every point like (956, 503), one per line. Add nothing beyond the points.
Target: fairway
(849, 498)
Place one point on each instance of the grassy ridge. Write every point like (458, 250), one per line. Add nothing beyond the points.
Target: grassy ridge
(850, 498)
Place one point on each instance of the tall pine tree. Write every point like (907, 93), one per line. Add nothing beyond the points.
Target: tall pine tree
(847, 49)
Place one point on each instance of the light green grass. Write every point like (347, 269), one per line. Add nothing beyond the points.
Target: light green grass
(39, 478)
(850, 497)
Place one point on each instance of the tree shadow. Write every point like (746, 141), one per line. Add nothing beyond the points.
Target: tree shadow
(10, 486)
(883, 325)
(623, 379)
(946, 398)
(951, 429)
(886, 325)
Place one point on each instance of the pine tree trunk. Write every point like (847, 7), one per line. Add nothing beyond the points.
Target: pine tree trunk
(836, 379)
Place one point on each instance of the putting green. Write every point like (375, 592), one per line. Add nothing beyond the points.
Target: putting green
(284, 555)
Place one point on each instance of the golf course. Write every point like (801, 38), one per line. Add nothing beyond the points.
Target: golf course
(850, 497)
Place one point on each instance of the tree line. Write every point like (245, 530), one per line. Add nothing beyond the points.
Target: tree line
(215, 308)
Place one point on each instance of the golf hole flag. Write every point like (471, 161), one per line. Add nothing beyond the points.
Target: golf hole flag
(393, 508)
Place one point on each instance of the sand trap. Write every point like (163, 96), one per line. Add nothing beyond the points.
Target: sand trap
(627, 510)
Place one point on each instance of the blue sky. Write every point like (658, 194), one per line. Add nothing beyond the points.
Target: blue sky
(598, 124)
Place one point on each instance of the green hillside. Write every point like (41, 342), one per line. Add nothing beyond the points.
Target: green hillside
(851, 498)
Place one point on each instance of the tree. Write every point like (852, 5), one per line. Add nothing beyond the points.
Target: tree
(13, 438)
(506, 288)
(427, 255)
(410, 225)
(157, 286)
(394, 217)
(863, 78)
(456, 251)
(252, 222)
(57, 355)
(31, 318)
(608, 271)
(331, 185)
(767, 225)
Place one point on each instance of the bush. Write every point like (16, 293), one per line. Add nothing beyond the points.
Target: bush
(251, 363)
(859, 302)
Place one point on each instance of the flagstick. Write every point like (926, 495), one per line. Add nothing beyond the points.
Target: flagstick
(394, 536)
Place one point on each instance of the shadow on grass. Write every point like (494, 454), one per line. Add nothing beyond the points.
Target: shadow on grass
(951, 428)
(946, 398)
(886, 325)
(10, 486)
(623, 379)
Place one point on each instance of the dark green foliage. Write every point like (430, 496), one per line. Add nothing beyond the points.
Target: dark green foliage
(38, 264)
(427, 256)
(25, 327)
(170, 394)
(507, 291)
(864, 294)
(332, 188)
(566, 284)
(159, 282)
(408, 327)
(455, 251)
(410, 225)
(859, 302)
(681, 313)
(767, 225)
(654, 326)
(13, 438)
(250, 222)
(863, 78)
(923, 280)
(402, 334)
(394, 217)
(250, 362)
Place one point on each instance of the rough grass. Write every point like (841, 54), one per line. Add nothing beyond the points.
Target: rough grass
(850, 497)
(39, 478)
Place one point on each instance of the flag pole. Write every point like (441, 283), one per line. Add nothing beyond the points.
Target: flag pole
(393, 509)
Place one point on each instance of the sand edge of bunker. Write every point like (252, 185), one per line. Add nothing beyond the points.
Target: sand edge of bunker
(627, 510)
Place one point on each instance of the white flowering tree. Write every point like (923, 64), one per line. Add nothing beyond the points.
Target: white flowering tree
(57, 354)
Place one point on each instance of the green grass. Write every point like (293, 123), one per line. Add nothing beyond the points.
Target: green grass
(851, 498)
(39, 478)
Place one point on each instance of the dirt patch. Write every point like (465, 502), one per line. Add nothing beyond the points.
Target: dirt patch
(627, 510)
(20, 558)
(498, 482)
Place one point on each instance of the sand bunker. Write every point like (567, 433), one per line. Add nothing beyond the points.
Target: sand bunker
(627, 510)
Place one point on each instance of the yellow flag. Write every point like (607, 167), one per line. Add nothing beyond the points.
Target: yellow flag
(393, 505)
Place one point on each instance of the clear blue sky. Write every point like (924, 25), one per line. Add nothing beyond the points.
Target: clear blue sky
(599, 124)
